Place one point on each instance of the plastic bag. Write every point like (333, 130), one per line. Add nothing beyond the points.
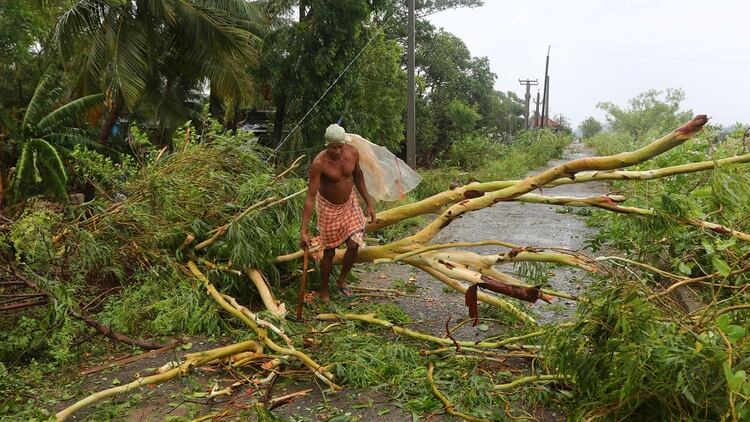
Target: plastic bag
(387, 177)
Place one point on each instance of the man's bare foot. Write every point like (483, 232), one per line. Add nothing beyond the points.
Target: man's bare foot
(325, 296)
(344, 287)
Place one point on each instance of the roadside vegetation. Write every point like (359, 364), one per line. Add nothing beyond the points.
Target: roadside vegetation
(639, 354)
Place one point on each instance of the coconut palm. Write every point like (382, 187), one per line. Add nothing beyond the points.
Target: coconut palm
(34, 145)
(141, 51)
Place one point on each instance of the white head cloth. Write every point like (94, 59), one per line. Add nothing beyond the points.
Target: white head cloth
(335, 134)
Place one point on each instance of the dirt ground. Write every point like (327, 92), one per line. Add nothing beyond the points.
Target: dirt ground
(429, 308)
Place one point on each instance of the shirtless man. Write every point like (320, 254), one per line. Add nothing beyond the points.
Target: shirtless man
(340, 219)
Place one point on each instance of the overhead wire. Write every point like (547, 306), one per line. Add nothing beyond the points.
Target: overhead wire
(645, 56)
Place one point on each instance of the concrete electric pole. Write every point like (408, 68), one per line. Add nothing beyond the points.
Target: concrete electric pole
(529, 83)
(411, 125)
(545, 100)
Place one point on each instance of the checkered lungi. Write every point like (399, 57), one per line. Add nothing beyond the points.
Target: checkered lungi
(338, 222)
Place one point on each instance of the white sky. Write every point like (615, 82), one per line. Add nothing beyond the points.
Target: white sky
(704, 35)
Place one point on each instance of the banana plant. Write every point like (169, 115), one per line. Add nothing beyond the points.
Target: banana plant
(34, 147)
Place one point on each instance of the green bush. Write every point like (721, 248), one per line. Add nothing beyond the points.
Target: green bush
(647, 360)
(472, 152)
(499, 161)
(632, 359)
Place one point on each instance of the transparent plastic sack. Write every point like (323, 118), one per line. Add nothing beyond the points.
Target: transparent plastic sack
(387, 177)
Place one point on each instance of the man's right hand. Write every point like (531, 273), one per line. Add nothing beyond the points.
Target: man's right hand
(304, 240)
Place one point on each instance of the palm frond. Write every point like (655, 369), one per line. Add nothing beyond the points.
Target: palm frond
(71, 137)
(160, 10)
(39, 169)
(43, 97)
(131, 62)
(215, 32)
(69, 113)
(83, 18)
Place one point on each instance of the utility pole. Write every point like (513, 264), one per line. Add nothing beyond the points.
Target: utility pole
(545, 103)
(536, 111)
(529, 83)
(411, 125)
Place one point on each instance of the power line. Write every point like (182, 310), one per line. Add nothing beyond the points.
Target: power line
(644, 56)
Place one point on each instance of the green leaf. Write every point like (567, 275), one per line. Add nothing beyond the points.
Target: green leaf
(69, 113)
(708, 247)
(735, 333)
(116, 382)
(723, 322)
(726, 244)
(383, 411)
(684, 269)
(483, 327)
(736, 380)
(721, 266)
(187, 346)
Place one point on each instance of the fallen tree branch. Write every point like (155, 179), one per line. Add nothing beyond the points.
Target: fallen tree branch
(531, 379)
(293, 166)
(371, 319)
(484, 297)
(122, 338)
(685, 282)
(316, 368)
(568, 169)
(129, 359)
(191, 361)
(446, 403)
(611, 205)
(219, 232)
(22, 305)
(441, 350)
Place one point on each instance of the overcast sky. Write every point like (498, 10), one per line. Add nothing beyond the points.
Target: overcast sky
(703, 48)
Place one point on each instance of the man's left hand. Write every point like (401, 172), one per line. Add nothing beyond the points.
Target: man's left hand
(371, 213)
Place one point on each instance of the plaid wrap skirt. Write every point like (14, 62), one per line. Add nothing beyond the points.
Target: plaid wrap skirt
(339, 222)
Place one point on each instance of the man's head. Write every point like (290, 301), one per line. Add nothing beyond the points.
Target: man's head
(335, 134)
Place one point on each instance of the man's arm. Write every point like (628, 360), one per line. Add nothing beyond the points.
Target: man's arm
(312, 190)
(359, 182)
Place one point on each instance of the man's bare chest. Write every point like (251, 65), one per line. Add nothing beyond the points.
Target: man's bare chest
(336, 171)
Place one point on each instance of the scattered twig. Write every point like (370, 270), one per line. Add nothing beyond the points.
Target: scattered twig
(191, 361)
(129, 359)
(446, 403)
(531, 379)
(294, 165)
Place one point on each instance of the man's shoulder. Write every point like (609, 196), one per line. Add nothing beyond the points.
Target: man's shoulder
(318, 161)
(350, 149)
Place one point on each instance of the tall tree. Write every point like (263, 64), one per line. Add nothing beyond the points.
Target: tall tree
(306, 52)
(26, 48)
(650, 111)
(589, 127)
(159, 52)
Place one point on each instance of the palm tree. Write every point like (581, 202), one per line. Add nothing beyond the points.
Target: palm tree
(153, 54)
(33, 146)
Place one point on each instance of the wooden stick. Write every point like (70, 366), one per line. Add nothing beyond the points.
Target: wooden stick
(303, 282)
